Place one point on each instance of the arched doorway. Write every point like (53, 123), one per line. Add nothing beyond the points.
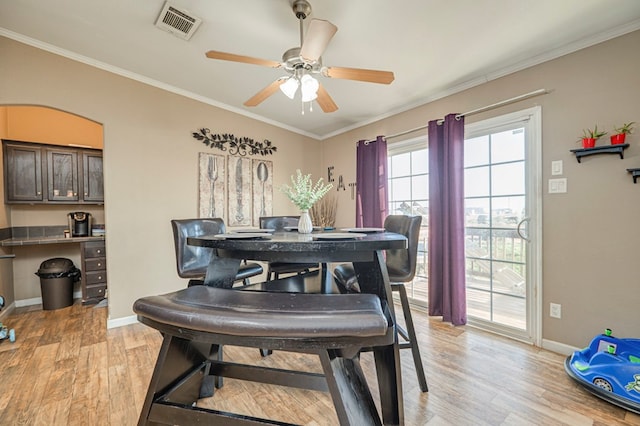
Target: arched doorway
(41, 125)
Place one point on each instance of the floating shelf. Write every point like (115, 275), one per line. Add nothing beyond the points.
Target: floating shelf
(634, 173)
(604, 149)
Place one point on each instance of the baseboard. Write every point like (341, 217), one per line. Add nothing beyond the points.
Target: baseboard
(38, 300)
(28, 302)
(6, 311)
(558, 347)
(120, 322)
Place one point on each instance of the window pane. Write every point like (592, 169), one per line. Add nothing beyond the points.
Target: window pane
(476, 182)
(508, 179)
(510, 310)
(409, 195)
(476, 212)
(401, 165)
(507, 146)
(507, 211)
(401, 188)
(420, 162)
(476, 151)
(420, 187)
(421, 208)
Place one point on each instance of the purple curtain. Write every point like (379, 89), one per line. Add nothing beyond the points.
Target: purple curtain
(371, 183)
(447, 296)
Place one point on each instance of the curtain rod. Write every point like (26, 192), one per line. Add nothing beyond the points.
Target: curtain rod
(476, 111)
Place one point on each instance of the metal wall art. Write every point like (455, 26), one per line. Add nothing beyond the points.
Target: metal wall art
(262, 189)
(212, 177)
(239, 191)
(241, 146)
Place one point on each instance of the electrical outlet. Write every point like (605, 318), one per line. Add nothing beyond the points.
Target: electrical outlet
(555, 310)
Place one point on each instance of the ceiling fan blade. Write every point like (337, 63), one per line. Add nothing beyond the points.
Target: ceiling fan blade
(325, 101)
(319, 34)
(213, 54)
(370, 76)
(265, 93)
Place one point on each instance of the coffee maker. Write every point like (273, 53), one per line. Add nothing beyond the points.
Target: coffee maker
(79, 224)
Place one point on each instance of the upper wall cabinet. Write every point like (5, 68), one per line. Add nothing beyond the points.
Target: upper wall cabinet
(38, 173)
(92, 182)
(22, 172)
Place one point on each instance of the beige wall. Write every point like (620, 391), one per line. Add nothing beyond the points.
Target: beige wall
(150, 159)
(591, 232)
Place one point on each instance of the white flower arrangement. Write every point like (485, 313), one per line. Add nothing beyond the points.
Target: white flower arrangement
(302, 192)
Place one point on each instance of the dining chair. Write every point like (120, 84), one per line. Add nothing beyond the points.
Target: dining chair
(276, 269)
(192, 261)
(401, 266)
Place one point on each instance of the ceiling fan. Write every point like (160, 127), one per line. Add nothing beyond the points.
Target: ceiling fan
(302, 63)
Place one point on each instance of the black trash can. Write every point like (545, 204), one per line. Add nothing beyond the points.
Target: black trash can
(57, 276)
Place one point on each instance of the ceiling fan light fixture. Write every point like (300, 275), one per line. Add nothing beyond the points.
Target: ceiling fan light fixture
(290, 87)
(309, 88)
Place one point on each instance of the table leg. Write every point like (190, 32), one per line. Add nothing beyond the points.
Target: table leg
(221, 271)
(374, 278)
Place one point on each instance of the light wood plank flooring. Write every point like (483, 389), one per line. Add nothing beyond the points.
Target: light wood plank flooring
(66, 369)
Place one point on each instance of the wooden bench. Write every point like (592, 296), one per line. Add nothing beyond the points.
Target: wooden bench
(197, 321)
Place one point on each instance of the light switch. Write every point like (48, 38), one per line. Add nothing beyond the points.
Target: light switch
(557, 186)
(556, 167)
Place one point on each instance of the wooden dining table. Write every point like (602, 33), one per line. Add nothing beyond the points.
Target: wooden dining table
(364, 250)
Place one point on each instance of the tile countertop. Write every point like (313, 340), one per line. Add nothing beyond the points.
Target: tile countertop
(46, 240)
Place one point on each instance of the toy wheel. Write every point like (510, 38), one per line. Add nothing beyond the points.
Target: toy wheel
(603, 384)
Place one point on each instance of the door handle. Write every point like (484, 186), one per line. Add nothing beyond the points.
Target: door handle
(519, 229)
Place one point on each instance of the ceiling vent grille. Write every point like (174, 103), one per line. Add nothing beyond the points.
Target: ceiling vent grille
(178, 22)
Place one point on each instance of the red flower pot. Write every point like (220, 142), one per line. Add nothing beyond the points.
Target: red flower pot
(588, 142)
(618, 139)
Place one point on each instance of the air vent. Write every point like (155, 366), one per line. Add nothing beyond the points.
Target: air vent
(178, 22)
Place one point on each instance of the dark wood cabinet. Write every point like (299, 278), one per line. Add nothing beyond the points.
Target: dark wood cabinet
(23, 173)
(94, 271)
(92, 180)
(62, 175)
(68, 175)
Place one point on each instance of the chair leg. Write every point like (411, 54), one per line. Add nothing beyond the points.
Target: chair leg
(413, 341)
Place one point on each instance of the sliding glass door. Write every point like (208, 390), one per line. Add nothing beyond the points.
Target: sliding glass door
(502, 237)
(502, 219)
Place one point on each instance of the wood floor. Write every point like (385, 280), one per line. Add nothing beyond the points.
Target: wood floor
(66, 369)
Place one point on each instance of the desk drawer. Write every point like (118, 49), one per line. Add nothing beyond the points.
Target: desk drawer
(95, 264)
(95, 277)
(96, 291)
(94, 249)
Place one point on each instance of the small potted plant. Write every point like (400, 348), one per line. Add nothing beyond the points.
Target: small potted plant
(304, 193)
(621, 132)
(589, 137)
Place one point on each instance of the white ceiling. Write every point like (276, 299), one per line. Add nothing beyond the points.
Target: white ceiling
(434, 47)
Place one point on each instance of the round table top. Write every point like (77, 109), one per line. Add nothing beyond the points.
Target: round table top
(302, 247)
(293, 241)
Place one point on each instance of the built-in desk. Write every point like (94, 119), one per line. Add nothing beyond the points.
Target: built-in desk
(93, 262)
(46, 240)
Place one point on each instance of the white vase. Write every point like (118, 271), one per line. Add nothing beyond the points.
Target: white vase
(304, 223)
